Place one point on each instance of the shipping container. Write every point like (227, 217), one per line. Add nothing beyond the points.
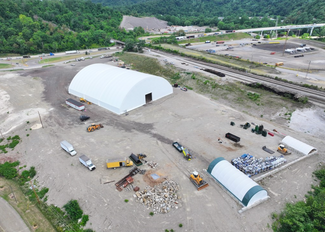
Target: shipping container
(75, 104)
(232, 137)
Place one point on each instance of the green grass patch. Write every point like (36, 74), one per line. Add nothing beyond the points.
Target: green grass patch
(54, 59)
(5, 66)
(8, 170)
(11, 143)
(253, 96)
(45, 66)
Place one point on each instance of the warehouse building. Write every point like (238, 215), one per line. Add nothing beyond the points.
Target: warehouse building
(243, 188)
(116, 89)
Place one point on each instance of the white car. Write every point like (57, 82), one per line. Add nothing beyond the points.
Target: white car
(208, 41)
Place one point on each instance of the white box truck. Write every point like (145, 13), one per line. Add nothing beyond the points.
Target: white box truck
(87, 162)
(68, 148)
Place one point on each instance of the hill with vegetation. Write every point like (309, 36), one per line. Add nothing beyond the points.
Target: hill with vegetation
(206, 12)
(33, 26)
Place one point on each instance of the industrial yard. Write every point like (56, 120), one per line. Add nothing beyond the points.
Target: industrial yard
(307, 67)
(196, 121)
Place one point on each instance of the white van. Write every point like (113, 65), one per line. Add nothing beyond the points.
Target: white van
(68, 148)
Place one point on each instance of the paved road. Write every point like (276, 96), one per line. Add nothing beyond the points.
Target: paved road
(10, 220)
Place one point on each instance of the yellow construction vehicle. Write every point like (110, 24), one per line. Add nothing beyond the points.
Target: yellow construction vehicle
(283, 150)
(85, 101)
(137, 159)
(94, 126)
(199, 183)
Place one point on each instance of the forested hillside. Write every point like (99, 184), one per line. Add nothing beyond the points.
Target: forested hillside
(34, 26)
(201, 12)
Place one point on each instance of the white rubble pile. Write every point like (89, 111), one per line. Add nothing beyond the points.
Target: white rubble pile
(161, 198)
(152, 164)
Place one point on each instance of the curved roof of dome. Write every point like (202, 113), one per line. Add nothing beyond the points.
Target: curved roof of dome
(117, 89)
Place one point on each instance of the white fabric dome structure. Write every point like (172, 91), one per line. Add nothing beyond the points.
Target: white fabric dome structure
(117, 89)
(298, 145)
(247, 191)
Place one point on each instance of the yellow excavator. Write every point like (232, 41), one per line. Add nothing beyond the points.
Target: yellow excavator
(94, 126)
(283, 150)
(85, 101)
(199, 183)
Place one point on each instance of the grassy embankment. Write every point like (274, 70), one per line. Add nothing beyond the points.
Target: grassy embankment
(253, 67)
(233, 94)
(29, 212)
(5, 66)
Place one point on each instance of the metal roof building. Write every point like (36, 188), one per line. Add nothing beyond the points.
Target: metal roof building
(117, 89)
(247, 191)
(298, 145)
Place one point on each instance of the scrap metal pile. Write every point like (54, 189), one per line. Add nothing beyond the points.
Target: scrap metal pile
(252, 166)
(152, 164)
(161, 198)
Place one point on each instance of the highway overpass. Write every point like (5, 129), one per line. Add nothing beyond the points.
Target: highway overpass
(284, 28)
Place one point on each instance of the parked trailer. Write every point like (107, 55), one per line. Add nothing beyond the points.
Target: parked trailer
(220, 74)
(117, 163)
(220, 42)
(180, 37)
(232, 137)
(71, 52)
(101, 49)
(87, 162)
(75, 104)
(190, 36)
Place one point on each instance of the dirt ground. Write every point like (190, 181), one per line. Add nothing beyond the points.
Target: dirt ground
(192, 119)
(147, 23)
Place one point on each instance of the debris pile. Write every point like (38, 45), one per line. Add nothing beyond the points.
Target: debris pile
(161, 198)
(252, 166)
(152, 164)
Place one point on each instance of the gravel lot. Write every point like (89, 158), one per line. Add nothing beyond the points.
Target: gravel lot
(193, 120)
(294, 69)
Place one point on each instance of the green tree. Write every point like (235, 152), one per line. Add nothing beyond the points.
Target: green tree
(73, 210)
(322, 32)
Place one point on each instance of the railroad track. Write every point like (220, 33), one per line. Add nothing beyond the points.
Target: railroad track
(313, 95)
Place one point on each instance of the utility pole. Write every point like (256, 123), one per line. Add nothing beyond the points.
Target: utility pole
(308, 69)
(13, 193)
(40, 119)
(285, 43)
(276, 25)
(34, 191)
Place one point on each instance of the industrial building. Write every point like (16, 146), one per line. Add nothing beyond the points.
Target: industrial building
(243, 188)
(117, 89)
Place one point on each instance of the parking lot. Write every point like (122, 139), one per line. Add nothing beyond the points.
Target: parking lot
(294, 68)
(189, 118)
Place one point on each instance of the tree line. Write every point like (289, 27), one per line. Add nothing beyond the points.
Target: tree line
(207, 12)
(34, 26)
